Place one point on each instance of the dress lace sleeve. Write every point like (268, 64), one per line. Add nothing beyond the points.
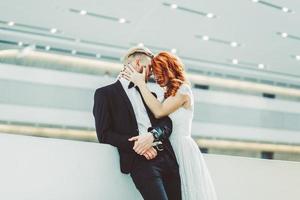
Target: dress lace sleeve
(186, 89)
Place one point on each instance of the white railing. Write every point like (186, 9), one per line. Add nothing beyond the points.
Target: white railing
(34, 168)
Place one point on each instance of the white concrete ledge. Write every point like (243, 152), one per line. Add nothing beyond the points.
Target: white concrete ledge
(34, 168)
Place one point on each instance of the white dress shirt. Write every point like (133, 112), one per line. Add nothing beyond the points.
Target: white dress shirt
(139, 109)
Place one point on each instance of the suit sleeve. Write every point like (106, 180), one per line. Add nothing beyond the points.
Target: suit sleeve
(103, 124)
(163, 126)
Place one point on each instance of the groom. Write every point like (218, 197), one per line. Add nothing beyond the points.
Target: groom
(122, 119)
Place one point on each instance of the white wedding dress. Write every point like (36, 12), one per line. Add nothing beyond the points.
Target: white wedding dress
(196, 183)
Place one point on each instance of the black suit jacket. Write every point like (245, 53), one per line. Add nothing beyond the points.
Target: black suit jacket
(115, 123)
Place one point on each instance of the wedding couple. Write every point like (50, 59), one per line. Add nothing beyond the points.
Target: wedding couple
(153, 138)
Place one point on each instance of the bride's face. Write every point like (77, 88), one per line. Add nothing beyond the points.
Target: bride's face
(161, 80)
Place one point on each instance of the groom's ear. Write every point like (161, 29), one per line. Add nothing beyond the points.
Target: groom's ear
(137, 65)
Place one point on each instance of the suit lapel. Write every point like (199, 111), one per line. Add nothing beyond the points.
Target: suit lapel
(124, 96)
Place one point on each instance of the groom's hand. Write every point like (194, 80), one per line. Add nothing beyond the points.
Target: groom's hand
(142, 142)
(150, 153)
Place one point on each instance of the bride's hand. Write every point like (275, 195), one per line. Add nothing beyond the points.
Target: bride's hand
(132, 75)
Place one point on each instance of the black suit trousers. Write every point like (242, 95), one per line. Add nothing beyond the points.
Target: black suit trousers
(157, 179)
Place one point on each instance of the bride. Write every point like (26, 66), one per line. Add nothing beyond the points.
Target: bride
(178, 103)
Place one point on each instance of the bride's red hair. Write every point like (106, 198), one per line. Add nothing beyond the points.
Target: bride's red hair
(168, 67)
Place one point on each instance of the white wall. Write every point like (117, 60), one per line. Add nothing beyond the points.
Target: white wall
(34, 168)
(66, 99)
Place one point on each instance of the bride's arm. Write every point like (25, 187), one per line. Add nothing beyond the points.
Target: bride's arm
(159, 109)
(165, 108)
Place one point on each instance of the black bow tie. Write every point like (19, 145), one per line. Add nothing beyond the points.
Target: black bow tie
(131, 84)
